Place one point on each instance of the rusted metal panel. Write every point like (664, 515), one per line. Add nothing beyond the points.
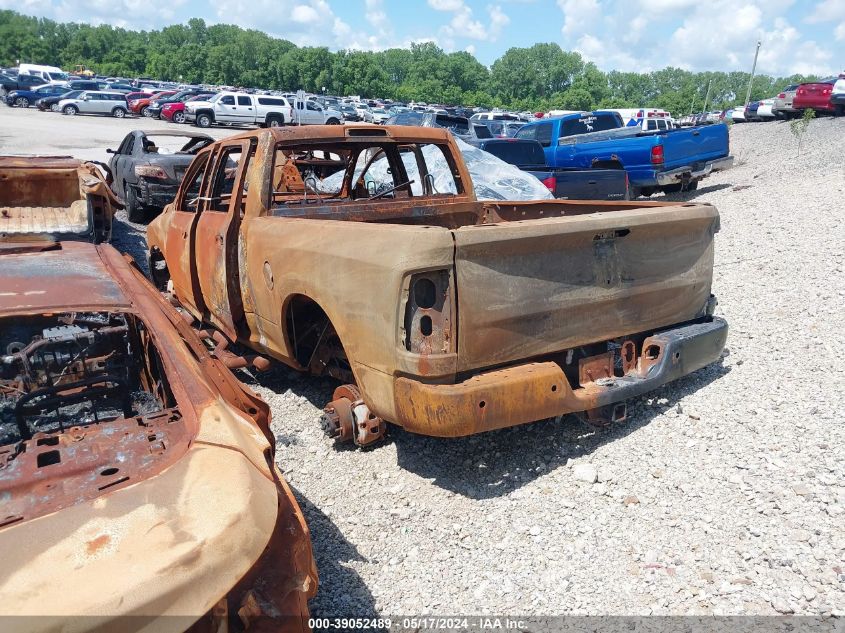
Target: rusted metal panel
(535, 391)
(533, 288)
(86, 461)
(192, 487)
(64, 275)
(58, 196)
(595, 368)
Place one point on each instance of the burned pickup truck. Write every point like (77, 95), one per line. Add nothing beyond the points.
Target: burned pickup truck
(58, 196)
(137, 479)
(438, 312)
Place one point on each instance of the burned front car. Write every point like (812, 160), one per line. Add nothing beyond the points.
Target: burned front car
(137, 483)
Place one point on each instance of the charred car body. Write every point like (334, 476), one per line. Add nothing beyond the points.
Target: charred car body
(136, 472)
(58, 196)
(439, 312)
(146, 174)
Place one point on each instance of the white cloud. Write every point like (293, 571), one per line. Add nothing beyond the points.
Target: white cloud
(827, 11)
(375, 15)
(123, 13)
(607, 56)
(716, 35)
(721, 35)
(446, 5)
(498, 20)
(635, 29)
(303, 14)
(465, 25)
(579, 15)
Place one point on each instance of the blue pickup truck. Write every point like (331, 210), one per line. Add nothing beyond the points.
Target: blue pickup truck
(567, 183)
(663, 160)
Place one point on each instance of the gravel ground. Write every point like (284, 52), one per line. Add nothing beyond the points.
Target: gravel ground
(720, 494)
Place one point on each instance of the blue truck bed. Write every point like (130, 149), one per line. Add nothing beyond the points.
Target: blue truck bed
(667, 160)
(565, 183)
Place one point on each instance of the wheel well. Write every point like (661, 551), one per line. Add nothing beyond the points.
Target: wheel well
(274, 116)
(313, 340)
(606, 164)
(208, 112)
(159, 273)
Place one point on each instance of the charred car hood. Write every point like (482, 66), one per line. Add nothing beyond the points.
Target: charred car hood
(160, 510)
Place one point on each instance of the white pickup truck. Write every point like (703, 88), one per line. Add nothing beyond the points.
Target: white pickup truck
(240, 108)
(310, 112)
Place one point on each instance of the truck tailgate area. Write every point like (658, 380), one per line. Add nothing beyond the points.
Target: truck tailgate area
(528, 289)
(691, 146)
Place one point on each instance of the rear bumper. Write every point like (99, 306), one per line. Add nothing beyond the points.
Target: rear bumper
(536, 391)
(681, 174)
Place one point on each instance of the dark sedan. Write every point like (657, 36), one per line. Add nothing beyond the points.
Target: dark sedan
(52, 102)
(148, 167)
(349, 113)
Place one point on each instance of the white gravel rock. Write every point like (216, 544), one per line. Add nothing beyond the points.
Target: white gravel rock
(585, 472)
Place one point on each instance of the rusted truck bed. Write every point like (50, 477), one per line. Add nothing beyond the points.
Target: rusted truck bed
(56, 196)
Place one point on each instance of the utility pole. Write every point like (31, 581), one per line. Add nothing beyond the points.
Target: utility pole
(707, 96)
(753, 68)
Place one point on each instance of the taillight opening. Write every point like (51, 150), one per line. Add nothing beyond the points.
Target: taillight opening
(657, 155)
(550, 183)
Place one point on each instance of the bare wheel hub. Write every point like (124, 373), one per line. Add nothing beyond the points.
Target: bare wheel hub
(347, 418)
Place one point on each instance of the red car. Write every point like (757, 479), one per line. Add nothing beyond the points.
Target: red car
(139, 105)
(814, 95)
(175, 112)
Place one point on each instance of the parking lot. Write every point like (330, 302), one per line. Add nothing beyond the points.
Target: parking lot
(721, 493)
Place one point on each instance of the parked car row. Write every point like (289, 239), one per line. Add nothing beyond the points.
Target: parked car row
(824, 97)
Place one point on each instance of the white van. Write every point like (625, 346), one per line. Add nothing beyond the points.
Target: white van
(50, 74)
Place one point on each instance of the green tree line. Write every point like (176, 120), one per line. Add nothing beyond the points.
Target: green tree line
(541, 77)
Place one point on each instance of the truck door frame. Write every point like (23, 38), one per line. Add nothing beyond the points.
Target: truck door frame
(215, 250)
(181, 236)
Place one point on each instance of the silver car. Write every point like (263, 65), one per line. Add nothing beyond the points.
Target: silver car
(782, 107)
(108, 102)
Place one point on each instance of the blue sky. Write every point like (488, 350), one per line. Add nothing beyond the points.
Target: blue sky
(799, 36)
